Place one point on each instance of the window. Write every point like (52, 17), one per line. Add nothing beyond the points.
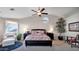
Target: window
(11, 27)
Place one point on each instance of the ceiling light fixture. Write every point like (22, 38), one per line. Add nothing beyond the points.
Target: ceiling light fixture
(12, 9)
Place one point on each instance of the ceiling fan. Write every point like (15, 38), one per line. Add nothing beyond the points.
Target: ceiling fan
(39, 12)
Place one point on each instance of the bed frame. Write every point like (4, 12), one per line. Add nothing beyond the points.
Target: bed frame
(38, 42)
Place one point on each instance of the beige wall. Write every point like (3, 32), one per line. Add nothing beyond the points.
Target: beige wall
(2, 24)
(36, 22)
(1, 30)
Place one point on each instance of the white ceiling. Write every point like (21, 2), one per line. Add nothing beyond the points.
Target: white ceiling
(23, 12)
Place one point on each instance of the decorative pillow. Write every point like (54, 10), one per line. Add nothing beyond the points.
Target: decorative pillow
(37, 32)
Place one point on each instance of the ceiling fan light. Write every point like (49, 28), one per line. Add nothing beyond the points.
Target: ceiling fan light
(39, 13)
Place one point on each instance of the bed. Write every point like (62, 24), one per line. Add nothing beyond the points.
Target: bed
(38, 37)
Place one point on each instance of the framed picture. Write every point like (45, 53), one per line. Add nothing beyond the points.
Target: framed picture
(74, 26)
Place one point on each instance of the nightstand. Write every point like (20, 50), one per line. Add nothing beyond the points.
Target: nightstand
(51, 35)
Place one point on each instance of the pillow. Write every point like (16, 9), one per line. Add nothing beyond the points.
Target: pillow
(33, 32)
(41, 32)
(37, 32)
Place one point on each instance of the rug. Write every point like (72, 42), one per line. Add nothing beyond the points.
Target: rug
(11, 47)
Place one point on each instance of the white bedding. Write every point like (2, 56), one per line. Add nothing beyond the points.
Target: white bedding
(37, 37)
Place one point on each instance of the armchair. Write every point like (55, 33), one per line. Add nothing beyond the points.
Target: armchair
(9, 39)
(76, 42)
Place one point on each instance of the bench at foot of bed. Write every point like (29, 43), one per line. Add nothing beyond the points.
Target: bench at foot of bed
(38, 43)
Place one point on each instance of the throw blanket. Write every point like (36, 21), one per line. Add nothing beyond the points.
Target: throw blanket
(37, 37)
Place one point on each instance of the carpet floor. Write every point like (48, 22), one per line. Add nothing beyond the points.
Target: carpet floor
(60, 43)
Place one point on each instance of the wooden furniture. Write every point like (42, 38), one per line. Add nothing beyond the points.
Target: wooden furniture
(26, 34)
(51, 35)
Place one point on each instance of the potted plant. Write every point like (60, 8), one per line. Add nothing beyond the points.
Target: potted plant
(60, 25)
(19, 36)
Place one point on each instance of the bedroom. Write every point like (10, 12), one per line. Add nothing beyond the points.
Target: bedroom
(21, 20)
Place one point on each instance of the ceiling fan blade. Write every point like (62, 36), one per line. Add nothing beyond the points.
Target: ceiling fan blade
(45, 13)
(42, 9)
(34, 10)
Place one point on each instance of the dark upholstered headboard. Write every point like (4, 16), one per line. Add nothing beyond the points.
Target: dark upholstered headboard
(39, 30)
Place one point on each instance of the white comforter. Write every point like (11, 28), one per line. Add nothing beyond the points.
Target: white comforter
(37, 37)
